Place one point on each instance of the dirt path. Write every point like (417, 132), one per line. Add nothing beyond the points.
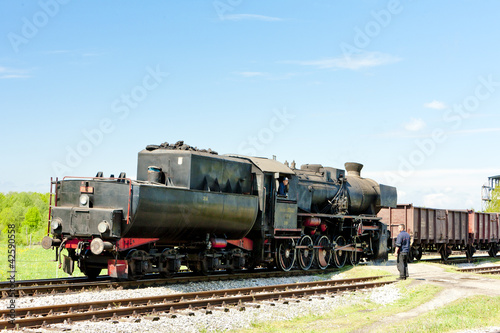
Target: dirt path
(456, 286)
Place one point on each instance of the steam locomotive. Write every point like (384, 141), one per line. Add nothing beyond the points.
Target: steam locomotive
(211, 212)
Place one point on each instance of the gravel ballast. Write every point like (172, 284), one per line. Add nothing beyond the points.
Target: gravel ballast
(218, 320)
(199, 321)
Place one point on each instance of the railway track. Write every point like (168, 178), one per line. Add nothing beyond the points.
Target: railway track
(455, 260)
(481, 270)
(170, 304)
(68, 285)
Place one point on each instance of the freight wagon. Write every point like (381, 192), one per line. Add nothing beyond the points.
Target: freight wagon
(444, 230)
(483, 229)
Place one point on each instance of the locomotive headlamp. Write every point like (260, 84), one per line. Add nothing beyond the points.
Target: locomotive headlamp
(56, 223)
(84, 200)
(103, 226)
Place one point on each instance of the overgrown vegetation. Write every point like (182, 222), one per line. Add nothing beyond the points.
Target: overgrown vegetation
(494, 205)
(28, 211)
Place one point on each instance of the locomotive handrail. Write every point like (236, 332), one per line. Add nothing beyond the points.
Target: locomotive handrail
(109, 178)
(52, 182)
(358, 217)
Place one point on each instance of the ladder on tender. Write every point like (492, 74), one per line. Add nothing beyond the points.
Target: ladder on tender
(53, 185)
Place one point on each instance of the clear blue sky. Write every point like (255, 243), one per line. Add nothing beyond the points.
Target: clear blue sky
(411, 89)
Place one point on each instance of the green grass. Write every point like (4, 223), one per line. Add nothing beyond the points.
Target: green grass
(353, 317)
(469, 313)
(349, 272)
(33, 263)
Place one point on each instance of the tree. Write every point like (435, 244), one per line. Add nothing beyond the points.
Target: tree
(25, 210)
(494, 205)
(6, 217)
(3, 201)
(32, 219)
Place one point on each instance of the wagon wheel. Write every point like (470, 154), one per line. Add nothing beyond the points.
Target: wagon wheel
(251, 264)
(355, 256)
(306, 254)
(323, 252)
(443, 251)
(205, 266)
(285, 256)
(90, 272)
(493, 250)
(339, 256)
(138, 264)
(469, 252)
(411, 254)
(166, 262)
(418, 253)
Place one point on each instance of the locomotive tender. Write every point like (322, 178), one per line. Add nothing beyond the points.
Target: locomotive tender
(209, 212)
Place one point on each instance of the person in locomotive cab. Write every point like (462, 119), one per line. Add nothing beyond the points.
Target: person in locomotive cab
(403, 246)
(283, 187)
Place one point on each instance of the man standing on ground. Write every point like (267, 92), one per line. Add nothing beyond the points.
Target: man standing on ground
(403, 245)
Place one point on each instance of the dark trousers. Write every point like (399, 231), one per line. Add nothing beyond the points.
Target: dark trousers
(403, 264)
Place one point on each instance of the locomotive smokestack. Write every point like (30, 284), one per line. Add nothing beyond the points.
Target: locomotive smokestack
(353, 169)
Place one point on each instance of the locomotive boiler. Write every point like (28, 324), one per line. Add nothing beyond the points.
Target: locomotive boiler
(208, 212)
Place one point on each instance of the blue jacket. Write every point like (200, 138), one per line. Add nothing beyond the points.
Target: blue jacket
(403, 241)
(282, 189)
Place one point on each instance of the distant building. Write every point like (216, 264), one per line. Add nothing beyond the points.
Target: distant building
(493, 181)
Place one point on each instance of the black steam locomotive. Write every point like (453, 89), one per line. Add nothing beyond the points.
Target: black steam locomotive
(209, 212)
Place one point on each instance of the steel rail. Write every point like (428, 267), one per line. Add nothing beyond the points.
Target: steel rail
(453, 260)
(481, 270)
(41, 282)
(41, 287)
(39, 316)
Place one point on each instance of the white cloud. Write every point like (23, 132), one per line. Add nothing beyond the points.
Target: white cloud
(266, 76)
(58, 52)
(10, 73)
(415, 125)
(438, 188)
(438, 200)
(241, 17)
(251, 74)
(362, 60)
(436, 105)
(14, 76)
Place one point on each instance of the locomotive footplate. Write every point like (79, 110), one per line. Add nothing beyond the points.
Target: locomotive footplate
(342, 217)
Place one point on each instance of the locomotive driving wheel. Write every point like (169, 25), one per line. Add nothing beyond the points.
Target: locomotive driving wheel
(355, 255)
(286, 254)
(306, 252)
(323, 252)
(138, 264)
(339, 256)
